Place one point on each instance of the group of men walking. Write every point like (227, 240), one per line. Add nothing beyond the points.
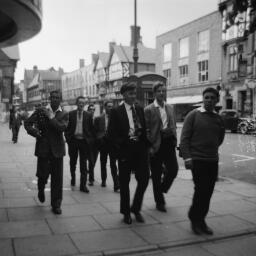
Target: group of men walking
(139, 140)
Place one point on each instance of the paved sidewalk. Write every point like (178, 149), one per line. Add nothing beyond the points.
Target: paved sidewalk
(91, 223)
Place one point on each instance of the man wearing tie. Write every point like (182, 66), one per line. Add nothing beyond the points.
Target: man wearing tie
(127, 132)
(161, 132)
(104, 146)
(79, 136)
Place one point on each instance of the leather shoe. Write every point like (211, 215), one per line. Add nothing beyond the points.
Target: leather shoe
(90, 183)
(206, 229)
(127, 219)
(84, 189)
(139, 218)
(161, 208)
(116, 188)
(41, 195)
(103, 183)
(56, 210)
(196, 228)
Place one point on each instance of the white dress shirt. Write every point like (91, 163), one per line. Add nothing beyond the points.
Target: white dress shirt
(162, 114)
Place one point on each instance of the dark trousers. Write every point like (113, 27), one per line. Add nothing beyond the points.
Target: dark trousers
(15, 132)
(134, 159)
(51, 166)
(163, 177)
(75, 147)
(93, 155)
(204, 176)
(105, 151)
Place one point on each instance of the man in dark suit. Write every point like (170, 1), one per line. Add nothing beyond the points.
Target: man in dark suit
(104, 146)
(127, 132)
(161, 132)
(15, 123)
(47, 126)
(79, 136)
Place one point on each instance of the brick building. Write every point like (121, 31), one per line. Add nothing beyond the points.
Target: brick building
(189, 57)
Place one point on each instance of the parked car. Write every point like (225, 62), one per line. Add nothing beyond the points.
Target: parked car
(230, 118)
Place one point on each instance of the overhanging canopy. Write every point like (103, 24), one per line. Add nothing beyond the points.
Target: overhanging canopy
(185, 99)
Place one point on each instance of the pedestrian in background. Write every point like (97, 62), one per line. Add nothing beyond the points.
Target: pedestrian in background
(15, 122)
(127, 132)
(202, 134)
(104, 146)
(161, 132)
(94, 150)
(47, 126)
(79, 137)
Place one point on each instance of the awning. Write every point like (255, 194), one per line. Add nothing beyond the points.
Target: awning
(185, 99)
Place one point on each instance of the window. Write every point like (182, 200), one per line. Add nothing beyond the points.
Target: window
(184, 47)
(183, 70)
(167, 48)
(233, 58)
(203, 71)
(203, 41)
(167, 74)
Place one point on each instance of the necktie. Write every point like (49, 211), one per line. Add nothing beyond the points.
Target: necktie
(79, 114)
(135, 120)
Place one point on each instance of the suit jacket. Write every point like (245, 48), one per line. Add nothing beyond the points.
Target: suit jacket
(15, 121)
(51, 140)
(154, 125)
(118, 128)
(88, 129)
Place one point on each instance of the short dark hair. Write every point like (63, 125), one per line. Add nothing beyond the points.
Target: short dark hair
(129, 86)
(55, 92)
(156, 85)
(107, 101)
(212, 90)
(90, 106)
(79, 97)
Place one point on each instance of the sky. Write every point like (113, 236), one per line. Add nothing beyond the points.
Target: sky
(74, 29)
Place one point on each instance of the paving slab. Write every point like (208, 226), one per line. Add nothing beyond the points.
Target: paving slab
(73, 224)
(52, 245)
(235, 247)
(23, 229)
(232, 206)
(17, 202)
(30, 213)
(248, 216)
(158, 233)
(6, 247)
(3, 215)
(98, 241)
(188, 251)
(82, 210)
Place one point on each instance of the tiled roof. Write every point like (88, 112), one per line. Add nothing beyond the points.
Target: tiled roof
(125, 54)
(12, 52)
(103, 56)
(45, 74)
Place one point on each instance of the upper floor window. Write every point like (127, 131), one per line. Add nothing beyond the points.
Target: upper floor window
(203, 71)
(203, 41)
(183, 70)
(167, 74)
(167, 48)
(184, 47)
(233, 58)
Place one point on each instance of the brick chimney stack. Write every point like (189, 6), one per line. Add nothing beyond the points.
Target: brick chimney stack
(81, 63)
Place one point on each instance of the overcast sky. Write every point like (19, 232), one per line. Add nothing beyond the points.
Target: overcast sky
(74, 29)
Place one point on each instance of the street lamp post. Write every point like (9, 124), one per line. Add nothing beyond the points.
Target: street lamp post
(135, 49)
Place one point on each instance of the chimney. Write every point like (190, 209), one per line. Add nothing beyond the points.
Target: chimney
(94, 57)
(111, 47)
(35, 70)
(61, 71)
(81, 63)
(139, 38)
